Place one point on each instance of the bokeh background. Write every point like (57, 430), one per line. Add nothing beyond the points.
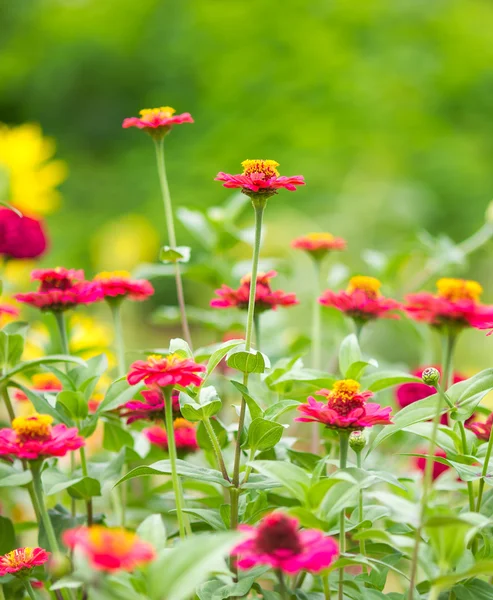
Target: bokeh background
(385, 106)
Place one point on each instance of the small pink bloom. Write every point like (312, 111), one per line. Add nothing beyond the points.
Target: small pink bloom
(19, 562)
(119, 284)
(152, 407)
(482, 429)
(157, 121)
(165, 371)
(260, 177)
(41, 382)
(8, 313)
(438, 467)
(277, 542)
(185, 437)
(318, 244)
(21, 237)
(110, 549)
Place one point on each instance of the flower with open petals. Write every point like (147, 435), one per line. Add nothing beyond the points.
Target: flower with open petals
(21, 237)
(149, 409)
(455, 306)
(260, 178)
(60, 289)
(345, 408)
(362, 301)
(165, 371)
(119, 285)
(21, 561)
(482, 429)
(34, 437)
(157, 121)
(265, 297)
(185, 436)
(41, 382)
(110, 549)
(318, 244)
(278, 542)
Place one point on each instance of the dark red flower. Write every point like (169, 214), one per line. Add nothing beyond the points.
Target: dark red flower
(482, 429)
(21, 237)
(438, 467)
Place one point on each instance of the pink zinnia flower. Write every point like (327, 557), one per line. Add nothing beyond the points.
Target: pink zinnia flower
(157, 121)
(165, 371)
(346, 408)
(21, 237)
(362, 301)
(118, 284)
(19, 562)
(8, 313)
(152, 407)
(481, 429)
(41, 382)
(34, 437)
(276, 541)
(110, 549)
(455, 305)
(60, 289)
(438, 467)
(260, 177)
(265, 297)
(185, 436)
(318, 244)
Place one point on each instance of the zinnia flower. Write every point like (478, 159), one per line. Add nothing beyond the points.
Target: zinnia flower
(165, 371)
(260, 177)
(157, 121)
(456, 305)
(8, 313)
(345, 408)
(185, 436)
(438, 467)
(276, 541)
(318, 244)
(362, 301)
(34, 437)
(110, 549)
(152, 407)
(41, 382)
(265, 297)
(119, 285)
(94, 402)
(481, 429)
(19, 562)
(60, 289)
(21, 237)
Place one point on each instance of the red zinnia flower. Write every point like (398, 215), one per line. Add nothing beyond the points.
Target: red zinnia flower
(150, 408)
(118, 284)
(157, 120)
(41, 382)
(482, 430)
(20, 561)
(265, 297)
(110, 549)
(8, 313)
(185, 436)
(438, 467)
(455, 305)
(318, 244)
(362, 300)
(33, 438)
(346, 408)
(165, 371)
(276, 541)
(260, 177)
(60, 289)
(21, 237)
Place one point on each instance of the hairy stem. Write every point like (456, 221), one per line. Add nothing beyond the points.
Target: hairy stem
(217, 447)
(317, 345)
(343, 451)
(359, 461)
(115, 307)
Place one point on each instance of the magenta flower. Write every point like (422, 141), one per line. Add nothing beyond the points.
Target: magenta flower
(152, 407)
(318, 244)
(438, 467)
(22, 560)
(481, 429)
(165, 371)
(21, 237)
(276, 541)
(185, 437)
(157, 120)
(119, 284)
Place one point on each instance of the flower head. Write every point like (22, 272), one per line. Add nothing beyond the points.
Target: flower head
(265, 297)
(345, 408)
(119, 284)
(110, 549)
(34, 437)
(19, 562)
(482, 429)
(41, 382)
(362, 300)
(152, 407)
(157, 121)
(165, 371)
(455, 305)
(21, 237)
(318, 244)
(260, 178)
(8, 313)
(438, 467)
(277, 541)
(185, 436)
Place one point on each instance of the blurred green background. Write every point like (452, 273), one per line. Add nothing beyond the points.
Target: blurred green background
(384, 106)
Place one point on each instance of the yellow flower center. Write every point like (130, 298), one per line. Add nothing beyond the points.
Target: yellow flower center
(369, 285)
(35, 427)
(111, 540)
(171, 359)
(163, 112)
(345, 389)
(17, 558)
(320, 237)
(181, 424)
(106, 275)
(261, 278)
(262, 167)
(459, 289)
(45, 381)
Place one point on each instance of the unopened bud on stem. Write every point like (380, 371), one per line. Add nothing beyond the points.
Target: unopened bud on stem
(431, 376)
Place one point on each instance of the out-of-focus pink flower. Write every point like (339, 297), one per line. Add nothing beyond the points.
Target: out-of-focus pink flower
(19, 562)
(185, 436)
(319, 244)
(157, 121)
(60, 289)
(276, 541)
(455, 305)
(8, 313)
(265, 297)
(38, 585)
(438, 467)
(110, 549)
(118, 284)
(165, 371)
(40, 382)
(362, 301)
(21, 237)
(152, 407)
(260, 177)
(482, 429)
(34, 437)
(345, 408)
(94, 402)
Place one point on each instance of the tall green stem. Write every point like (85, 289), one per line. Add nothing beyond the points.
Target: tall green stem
(326, 586)
(115, 306)
(85, 473)
(283, 592)
(29, 589)
(484, 472)
(62, 330)
(170, 224)
(317, 344)
(41, 508)
(343, 452)
(217, 447)
(256, 326)
(359, 461)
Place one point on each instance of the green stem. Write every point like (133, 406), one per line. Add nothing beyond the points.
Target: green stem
(2, 595)
(465, 450)
(283, 591)
(29, 588)
(256, 325)
(41, 507)
(343, 452)
(115, 307)
(484, 473)
(170, 224)
(85, 473)
(248, 470)
(62, 330)
(217, 447)
(317, 345)
(8, 403)
(362, 545)
(325, 582)
(358, 328)
(170, 432)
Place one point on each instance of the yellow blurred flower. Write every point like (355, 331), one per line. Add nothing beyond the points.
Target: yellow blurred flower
(28, 175)
(88, 337)
(37, 341)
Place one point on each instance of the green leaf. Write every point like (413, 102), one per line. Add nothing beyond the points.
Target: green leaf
(447, 537)
(218, 590)
(7, 535)
(75, 404)
(211, 517)
(180, 346)
(12, 477)
(293, 478)
(381, 380)
(85, 489)
(349, 353)
(61, 520)
(30, 364)
(11, 348)
(203, 438)
(253, 407)
(481, 568)
(54, 481)
(153, 531)
(197, 225)
(119, 393)
(42, 405)
(475, 589)
(276, 411)
(219, 354)
(263, 434)
(205, 406)
(180, 254)
(248, 362)
(115, 437)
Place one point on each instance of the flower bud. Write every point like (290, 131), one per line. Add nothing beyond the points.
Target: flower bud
(431, 376)
(357, 441)
(59, 565)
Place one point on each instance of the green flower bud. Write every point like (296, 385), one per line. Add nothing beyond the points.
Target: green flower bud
(357, 441)
(431, 376)
(59, 565)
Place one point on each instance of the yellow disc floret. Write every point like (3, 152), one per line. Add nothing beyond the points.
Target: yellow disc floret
(163, 112)
(182, 424)
(369, 285)
(35, 427)
(17, 558)
(459, 289)
(345, 389)
(45, 381)
(320, 237)
(107, 275)
(115, 540)
(261, 167)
